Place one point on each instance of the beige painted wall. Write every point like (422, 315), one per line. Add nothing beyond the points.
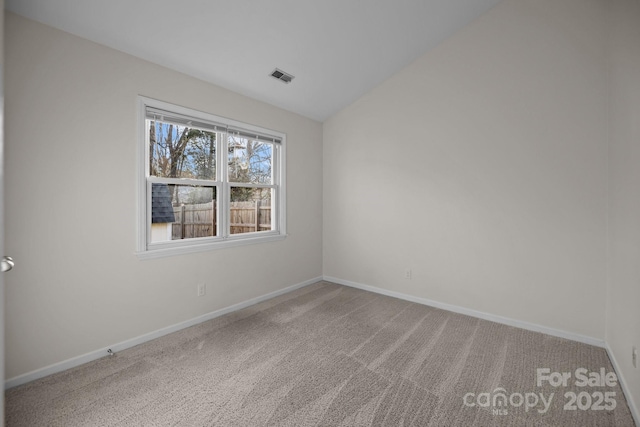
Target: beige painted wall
(70, 169)
(623, 302)
(483, 168)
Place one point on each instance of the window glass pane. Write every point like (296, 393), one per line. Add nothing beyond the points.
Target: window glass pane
(181, 152)
(182, 212)
(250, 210)
(249, 160)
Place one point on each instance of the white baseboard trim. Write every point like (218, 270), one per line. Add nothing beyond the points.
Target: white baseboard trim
(473, 313)
(623, 385)
(97, 354)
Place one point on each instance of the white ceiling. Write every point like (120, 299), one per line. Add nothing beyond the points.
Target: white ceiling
(336, 49)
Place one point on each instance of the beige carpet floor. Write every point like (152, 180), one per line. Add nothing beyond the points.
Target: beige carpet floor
(328, 355)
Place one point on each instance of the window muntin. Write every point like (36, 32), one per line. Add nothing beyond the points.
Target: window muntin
(208, 181)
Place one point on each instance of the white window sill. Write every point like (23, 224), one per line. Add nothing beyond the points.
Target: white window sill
(207, 246)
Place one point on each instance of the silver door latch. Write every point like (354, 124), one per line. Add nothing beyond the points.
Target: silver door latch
(6, 264)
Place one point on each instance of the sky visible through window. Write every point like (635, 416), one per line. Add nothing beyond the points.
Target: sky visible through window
(183, 152)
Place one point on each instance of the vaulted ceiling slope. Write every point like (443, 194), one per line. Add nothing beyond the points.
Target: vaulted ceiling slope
(337, 50)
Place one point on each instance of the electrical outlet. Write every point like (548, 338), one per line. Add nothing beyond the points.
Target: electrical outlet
(407, 273)
(202, 289)
(634, 356)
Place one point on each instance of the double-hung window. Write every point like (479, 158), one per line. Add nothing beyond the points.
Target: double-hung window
(206, 182)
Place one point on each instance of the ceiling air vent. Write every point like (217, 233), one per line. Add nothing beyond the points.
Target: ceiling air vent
(281, 75)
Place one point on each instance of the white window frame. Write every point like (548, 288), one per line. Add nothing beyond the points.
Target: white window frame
(223, 239)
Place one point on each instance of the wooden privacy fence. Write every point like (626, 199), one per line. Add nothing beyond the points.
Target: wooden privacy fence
(250, 216)
(199, 220)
